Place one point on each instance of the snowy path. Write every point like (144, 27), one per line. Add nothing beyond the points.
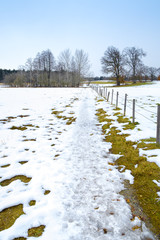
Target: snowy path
(93, 208)
(84, 202)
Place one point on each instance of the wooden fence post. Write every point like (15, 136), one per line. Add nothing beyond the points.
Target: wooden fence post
(108, 96)
(125, 104)
(133, 110)
(106, 93)
(158, 124)
(112, 97)
(117, 100)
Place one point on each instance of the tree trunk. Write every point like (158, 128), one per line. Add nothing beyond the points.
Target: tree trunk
(118, 81)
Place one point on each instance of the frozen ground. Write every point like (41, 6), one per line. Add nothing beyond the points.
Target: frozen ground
(71, 161)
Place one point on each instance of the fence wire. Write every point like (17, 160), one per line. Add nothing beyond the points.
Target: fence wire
(102, 90)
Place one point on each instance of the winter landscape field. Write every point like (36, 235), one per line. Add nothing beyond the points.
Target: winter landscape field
(59, 179)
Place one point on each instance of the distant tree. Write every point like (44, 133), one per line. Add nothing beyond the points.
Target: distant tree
(153, 73)
(65, 59)
(29, 69)
(113, 62)
(47, 63)
(80, 64)
(133, 57)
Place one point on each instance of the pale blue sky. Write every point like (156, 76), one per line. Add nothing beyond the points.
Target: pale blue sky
(31, 26)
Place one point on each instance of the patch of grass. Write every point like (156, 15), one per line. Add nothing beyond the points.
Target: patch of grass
(117, 109)
(70, 120)
(145, 172)
(31, 140)
(153, 156)
(20, 238)
(130, 125)
(22, 116)
(9, 215)
(103, 116)
(131, 84)
(100, 100)
(23, 162)
(8, 119)
(151, 139)
(146, 190)
(117, 113)
(36, 231)
(21, 128)
(107, 82)
(30, 125)
(46, 192)
(20, 177)
(4, 166)
(32, 203)
(106, 126)
(56, 112)
(122, 119)
(148, 144)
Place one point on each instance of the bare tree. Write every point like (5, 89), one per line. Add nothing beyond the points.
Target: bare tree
(81, 64)
(29, 68)
(65, 59)
(113, 62)
(153, 73)
(133, 57)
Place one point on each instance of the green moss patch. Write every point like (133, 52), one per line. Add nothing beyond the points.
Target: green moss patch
(145, 172)
(18, 177)
(130, 125)
(148, 144)
(9, 215)
(23, 162)
(4, 166)
(103, 116)
(69, 120)
(8, 119)
(22, 116)
(56, 112)
(20, 238)
(30, 140)
(117, 113)
(122, 119)
(46, 192)
(32, 203)
(36, 231)
(21, 128)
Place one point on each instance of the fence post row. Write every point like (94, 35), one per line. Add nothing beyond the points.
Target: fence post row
(106, 94)
(158, 124)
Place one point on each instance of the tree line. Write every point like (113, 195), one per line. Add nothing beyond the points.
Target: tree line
(45, 71)
(127, 65)
(69, 70)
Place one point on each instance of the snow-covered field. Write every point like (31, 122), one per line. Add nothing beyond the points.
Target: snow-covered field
(71, 161)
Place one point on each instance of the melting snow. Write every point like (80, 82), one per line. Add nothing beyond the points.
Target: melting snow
(72, 161)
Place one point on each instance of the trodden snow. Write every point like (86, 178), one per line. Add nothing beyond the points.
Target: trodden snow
(72, 161)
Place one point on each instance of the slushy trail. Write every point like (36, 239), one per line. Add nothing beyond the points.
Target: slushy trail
(93, 207)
